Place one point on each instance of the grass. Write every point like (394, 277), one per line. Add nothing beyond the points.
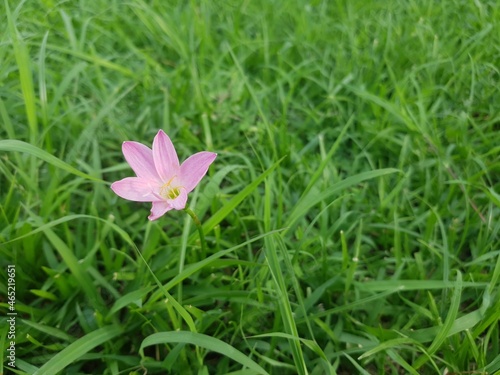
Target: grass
(351, 215)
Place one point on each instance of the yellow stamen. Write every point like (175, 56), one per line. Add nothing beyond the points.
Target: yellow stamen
(169, 192)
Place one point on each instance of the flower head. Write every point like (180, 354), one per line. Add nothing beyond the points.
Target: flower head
(160, 178)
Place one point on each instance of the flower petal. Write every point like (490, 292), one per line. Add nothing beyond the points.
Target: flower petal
(135, 189)
(140, 159)
(194, 168)
(159, 208)
(165, 157)
(179, 203)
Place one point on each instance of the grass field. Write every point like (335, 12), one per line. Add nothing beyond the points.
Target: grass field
(351, 216)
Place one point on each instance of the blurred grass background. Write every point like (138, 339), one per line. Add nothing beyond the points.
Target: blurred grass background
(351, 215)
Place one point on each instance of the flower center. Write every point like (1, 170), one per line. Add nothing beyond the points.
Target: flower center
(168, 191)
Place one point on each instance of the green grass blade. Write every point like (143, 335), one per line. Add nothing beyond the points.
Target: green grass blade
(76, 269)
(311, 199)
(313, 345)
(51, 331)
(257, 103)
(386, 345)
(328, 157)
(77, 349)
(461, 324)
(203, 341)
(407, 285)
(400, 361)
(448, 323)
(91, 58)
(360, 368)
(191, 269)
(228, 207)
(286, 311)
(493, 367)
(25, 75)
(74, 265)
(23, 147)
(388, 106)
(271, 246)
(129, 298)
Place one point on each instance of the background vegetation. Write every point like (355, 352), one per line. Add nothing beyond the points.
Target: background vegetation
(351, 215)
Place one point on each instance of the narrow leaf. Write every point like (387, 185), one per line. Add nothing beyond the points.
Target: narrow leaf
(20, 146)
(203, 341)
(77, 349)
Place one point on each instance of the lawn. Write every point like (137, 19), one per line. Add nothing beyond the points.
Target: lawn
(351, 216)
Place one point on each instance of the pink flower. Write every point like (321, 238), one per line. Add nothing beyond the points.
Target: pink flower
(160, 178)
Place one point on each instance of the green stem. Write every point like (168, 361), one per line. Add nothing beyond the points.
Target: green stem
(200, 228)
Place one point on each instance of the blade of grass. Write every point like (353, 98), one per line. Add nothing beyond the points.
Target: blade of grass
(270, 251)
(20, 146)
(73, 264)
(386, 345)
(284, 305)
(25, 75)
(77, 349)
(203, 341)
(75, 267)
(360, 369)
(55, 332)
(448, 323)
(191, 269)
(257, 103)
(128, 299)
(312, 198)
(228, 207)
(313, 345)
(92, 59)
(328, 157)
(407, 285)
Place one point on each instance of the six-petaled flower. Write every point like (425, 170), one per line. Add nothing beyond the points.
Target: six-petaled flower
(160, 178)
